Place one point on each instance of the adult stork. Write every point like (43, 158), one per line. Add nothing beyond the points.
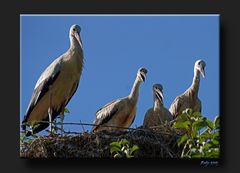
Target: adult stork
(56, 86)
(157, 115)
(120, 114)
(189, 99)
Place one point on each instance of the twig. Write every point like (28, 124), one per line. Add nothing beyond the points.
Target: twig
(82, 126)
(86, 124)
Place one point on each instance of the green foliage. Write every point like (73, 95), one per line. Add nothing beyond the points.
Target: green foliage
(31, 131)
(201, 139)
(66, 110)
(23, 134)
(33, 125)
(24, 138)
(123, 149)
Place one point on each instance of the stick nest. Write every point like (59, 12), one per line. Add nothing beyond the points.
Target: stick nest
(158, 142)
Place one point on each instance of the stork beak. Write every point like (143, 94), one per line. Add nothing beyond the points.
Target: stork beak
(159, 94)
(202, 70)
(77, 36)
(143, 76)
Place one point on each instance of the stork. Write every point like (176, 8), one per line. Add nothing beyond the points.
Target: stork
(56, 86)
(120, 113)
(158, 114)
(189, 99)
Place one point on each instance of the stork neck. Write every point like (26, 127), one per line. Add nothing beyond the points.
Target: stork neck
(74, 44)
(135, 90)
(196, 82)
(157, 104)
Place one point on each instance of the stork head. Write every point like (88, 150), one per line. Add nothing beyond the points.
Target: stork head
(75, 33)
(142, 72)
(200, 66)
(158, 92)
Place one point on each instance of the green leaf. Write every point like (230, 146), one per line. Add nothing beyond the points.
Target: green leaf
(217, 122)
(194, 133)
(182, 125)
(122, 149)
(66, 110)
(188, 111)
(213, 153)
(198, 155)
(205, 135)
(196, 114)
(215, 142)
(117, 155)
(133, 149)
(182, 139)
(34, 123)
(116, 144)
(124, 141)
(114, 149)
(22, 134)
(199, 124)
(182, 118)
(36, 126)
(210, 124)
(215, 134)
(207, 146)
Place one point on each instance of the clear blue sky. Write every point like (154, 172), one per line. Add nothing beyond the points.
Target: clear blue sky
(114, 48)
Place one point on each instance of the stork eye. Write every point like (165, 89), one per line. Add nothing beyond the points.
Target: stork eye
(74, 29)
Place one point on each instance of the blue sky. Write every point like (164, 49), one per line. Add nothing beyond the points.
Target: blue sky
(114, 48)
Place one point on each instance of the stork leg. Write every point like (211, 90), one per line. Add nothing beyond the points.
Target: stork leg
(50, 119)
(62, 118)
(50, 112)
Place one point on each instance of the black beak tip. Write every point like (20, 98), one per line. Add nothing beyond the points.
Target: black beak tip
(143, 77)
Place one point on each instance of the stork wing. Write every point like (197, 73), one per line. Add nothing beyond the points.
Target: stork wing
(104, 114)
(174, 108)
(72, 92)
(147, 117)
(47, 78)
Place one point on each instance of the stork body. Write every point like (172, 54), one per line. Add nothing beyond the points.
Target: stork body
(56, 85)
(157, 115)
(121, 112)
(189, 99)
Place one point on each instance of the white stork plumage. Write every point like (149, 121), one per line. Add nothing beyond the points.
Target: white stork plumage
(189, 99)
(56, 85)
(120, 113)
(158, 114)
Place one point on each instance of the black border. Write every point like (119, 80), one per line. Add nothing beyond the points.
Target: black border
(229, 53)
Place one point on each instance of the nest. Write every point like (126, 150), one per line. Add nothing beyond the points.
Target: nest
(158, 142)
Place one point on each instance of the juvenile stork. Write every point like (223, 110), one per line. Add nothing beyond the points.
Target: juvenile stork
(189, 99)
(158, 114)
(120, 112)
(56, 85)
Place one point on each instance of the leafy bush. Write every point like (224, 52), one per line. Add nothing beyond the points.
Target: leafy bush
(201, 139)
(23, 134)
(35, 124)
(122, 149)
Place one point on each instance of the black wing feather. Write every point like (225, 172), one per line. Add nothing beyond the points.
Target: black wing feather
(105, 118)
(41, 90)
